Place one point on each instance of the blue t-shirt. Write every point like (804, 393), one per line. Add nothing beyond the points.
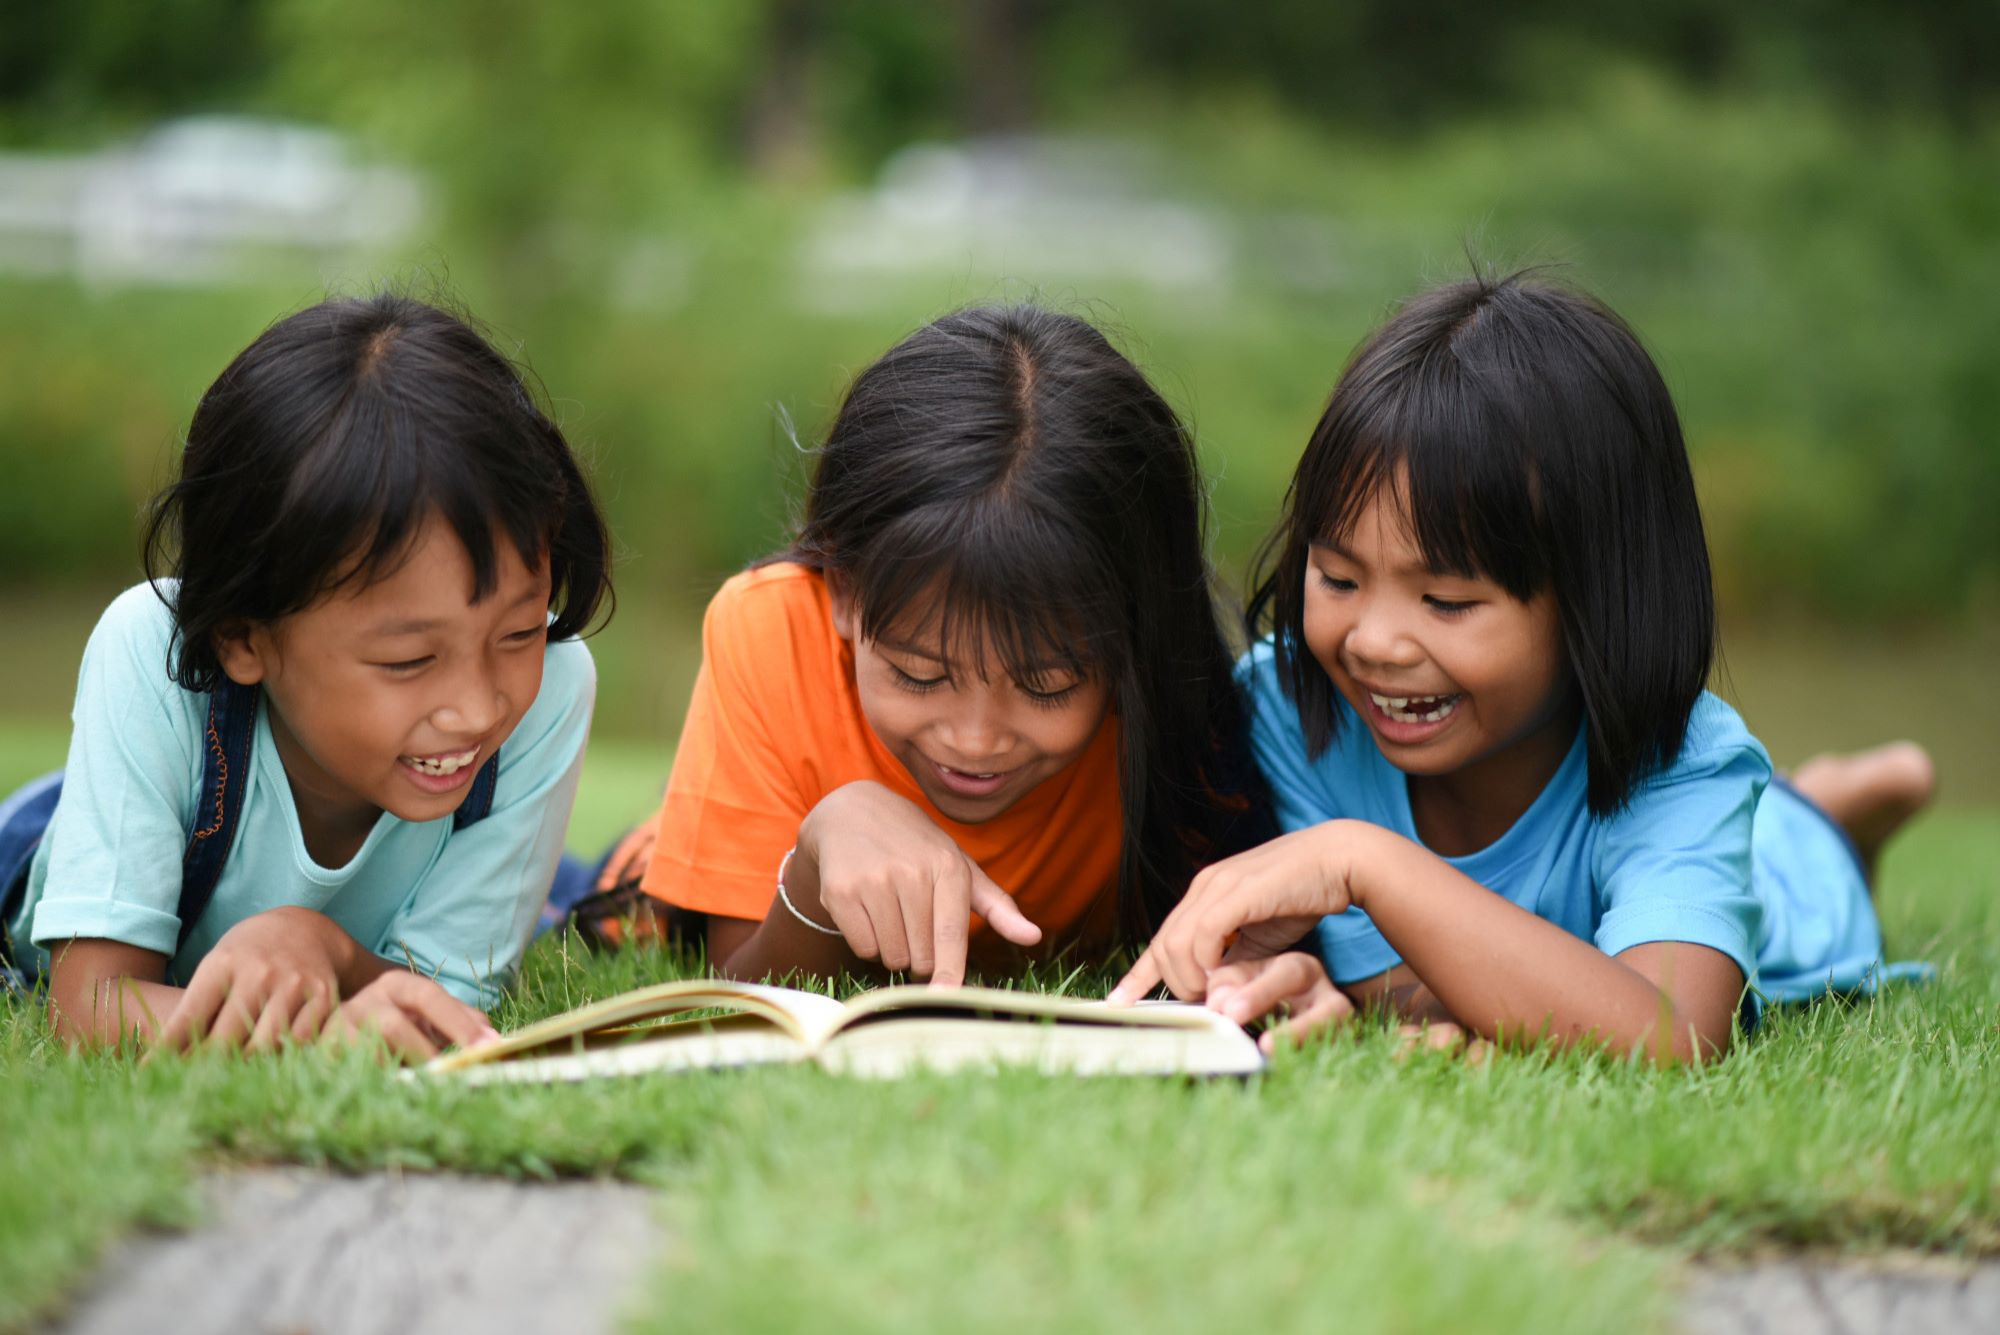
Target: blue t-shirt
(1708, 851)
(455, 905)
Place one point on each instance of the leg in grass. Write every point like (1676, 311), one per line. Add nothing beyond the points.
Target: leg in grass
(1871, 793)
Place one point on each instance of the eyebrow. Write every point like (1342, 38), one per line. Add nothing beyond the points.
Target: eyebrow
(419, 625)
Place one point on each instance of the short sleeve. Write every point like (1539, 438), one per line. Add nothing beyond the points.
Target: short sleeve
(114, 845)
(467, 922)
(1674, 865)
(734, 800)
(1277, 741)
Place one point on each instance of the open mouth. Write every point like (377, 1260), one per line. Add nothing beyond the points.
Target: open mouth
(970, 783)
(1415, 708)
(440, 766)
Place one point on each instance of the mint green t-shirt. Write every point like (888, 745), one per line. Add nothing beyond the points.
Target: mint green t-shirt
(454, 905)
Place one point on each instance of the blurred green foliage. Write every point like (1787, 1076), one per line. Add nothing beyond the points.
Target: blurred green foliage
(1798, 207)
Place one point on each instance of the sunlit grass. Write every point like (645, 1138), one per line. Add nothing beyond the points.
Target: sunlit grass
(1537, 1192)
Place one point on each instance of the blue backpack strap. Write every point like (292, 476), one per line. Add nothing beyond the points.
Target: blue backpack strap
(479, 801)
(229, 735)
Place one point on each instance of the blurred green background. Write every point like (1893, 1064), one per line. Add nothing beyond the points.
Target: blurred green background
(694, 220)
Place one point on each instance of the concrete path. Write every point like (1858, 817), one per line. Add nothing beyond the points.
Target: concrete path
(1803, 1297)
(285, 1250)
(291, 1252)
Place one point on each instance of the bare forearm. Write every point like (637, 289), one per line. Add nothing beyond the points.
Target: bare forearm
(781, 943)
(1400, 992)
(101, 992)
(1504, 972)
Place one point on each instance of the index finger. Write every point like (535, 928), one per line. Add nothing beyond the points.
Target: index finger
(446, 1015)
(1140, 979)
(195, 1012)
(951, 926)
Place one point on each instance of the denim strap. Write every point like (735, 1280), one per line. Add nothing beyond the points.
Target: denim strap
(479, 799)
(228, 737)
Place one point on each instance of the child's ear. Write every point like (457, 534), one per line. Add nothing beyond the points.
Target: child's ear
(244, 652)
(840, 603)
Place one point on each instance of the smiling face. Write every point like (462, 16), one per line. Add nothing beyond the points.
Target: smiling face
(975, 740)
(1455, 678)
(389, 696)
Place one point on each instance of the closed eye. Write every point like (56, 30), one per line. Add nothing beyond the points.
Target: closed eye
(408, 665)
(1050, 699)
(1334, 584)
(1450, 607)
(529, 635)
(917, 685)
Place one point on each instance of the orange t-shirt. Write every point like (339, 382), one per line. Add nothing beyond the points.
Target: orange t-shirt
(776, 724)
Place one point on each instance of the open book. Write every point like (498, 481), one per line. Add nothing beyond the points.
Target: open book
(705, 1023)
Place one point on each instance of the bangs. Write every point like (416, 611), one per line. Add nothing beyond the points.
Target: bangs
(1443, 442)
(985, 581)
(360, 498)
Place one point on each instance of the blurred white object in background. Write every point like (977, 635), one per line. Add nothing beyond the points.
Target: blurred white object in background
(202, 200)
(1034, 207)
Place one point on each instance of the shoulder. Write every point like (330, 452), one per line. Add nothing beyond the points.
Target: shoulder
(140, 617)
(127, 657)
(1716, 742)
(773, 620)
(780, 598)
(568, 671)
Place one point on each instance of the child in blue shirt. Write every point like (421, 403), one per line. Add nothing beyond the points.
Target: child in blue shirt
(1482, 715)
(324, 758)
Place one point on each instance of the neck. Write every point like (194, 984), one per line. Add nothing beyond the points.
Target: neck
(1471, 807)
(333, 821)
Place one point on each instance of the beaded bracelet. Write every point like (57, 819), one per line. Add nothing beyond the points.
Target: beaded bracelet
(786, 899)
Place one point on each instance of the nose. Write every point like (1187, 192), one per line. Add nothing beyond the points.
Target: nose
(1380, 636)
(474, 706)
(976, 728)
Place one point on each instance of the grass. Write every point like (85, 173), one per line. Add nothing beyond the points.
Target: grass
(1539, 1192)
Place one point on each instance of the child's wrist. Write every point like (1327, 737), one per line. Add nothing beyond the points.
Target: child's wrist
(1350, 852)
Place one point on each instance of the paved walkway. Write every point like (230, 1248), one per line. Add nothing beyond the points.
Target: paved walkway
(303, 1253)
(1817, 1298)
(286, 1250)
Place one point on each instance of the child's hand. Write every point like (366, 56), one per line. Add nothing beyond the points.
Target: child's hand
(897, 887)
(412, 1015)
(273, 976)
(628, 861)
(1442, 1036)
(1293, 985)
(1252, 905)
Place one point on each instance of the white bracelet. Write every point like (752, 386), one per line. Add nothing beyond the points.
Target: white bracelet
(786, 899)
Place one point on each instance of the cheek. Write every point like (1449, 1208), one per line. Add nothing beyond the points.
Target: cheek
(1067, 732)
(1324, 629)
(890, 713)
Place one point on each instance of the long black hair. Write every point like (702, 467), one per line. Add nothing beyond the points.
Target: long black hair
(1007, 473)
(1531, 440)
(317, 455)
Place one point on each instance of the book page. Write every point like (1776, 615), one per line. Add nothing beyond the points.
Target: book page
(799, 1018)
(1073, 1038)
(889, 1003)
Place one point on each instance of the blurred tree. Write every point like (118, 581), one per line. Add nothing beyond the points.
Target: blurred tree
(69, 66)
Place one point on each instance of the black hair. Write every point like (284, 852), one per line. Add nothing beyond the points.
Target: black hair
(317, 455)
(1008, 475)
(1531, 441)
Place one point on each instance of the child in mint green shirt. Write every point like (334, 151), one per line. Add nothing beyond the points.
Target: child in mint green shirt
(324, 759)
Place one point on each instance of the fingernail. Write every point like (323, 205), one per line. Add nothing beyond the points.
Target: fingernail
(1219, 997)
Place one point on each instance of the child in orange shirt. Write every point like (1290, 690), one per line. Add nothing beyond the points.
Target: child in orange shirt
(983, 703)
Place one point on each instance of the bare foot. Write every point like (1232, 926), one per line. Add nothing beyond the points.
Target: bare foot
(1870, 793)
